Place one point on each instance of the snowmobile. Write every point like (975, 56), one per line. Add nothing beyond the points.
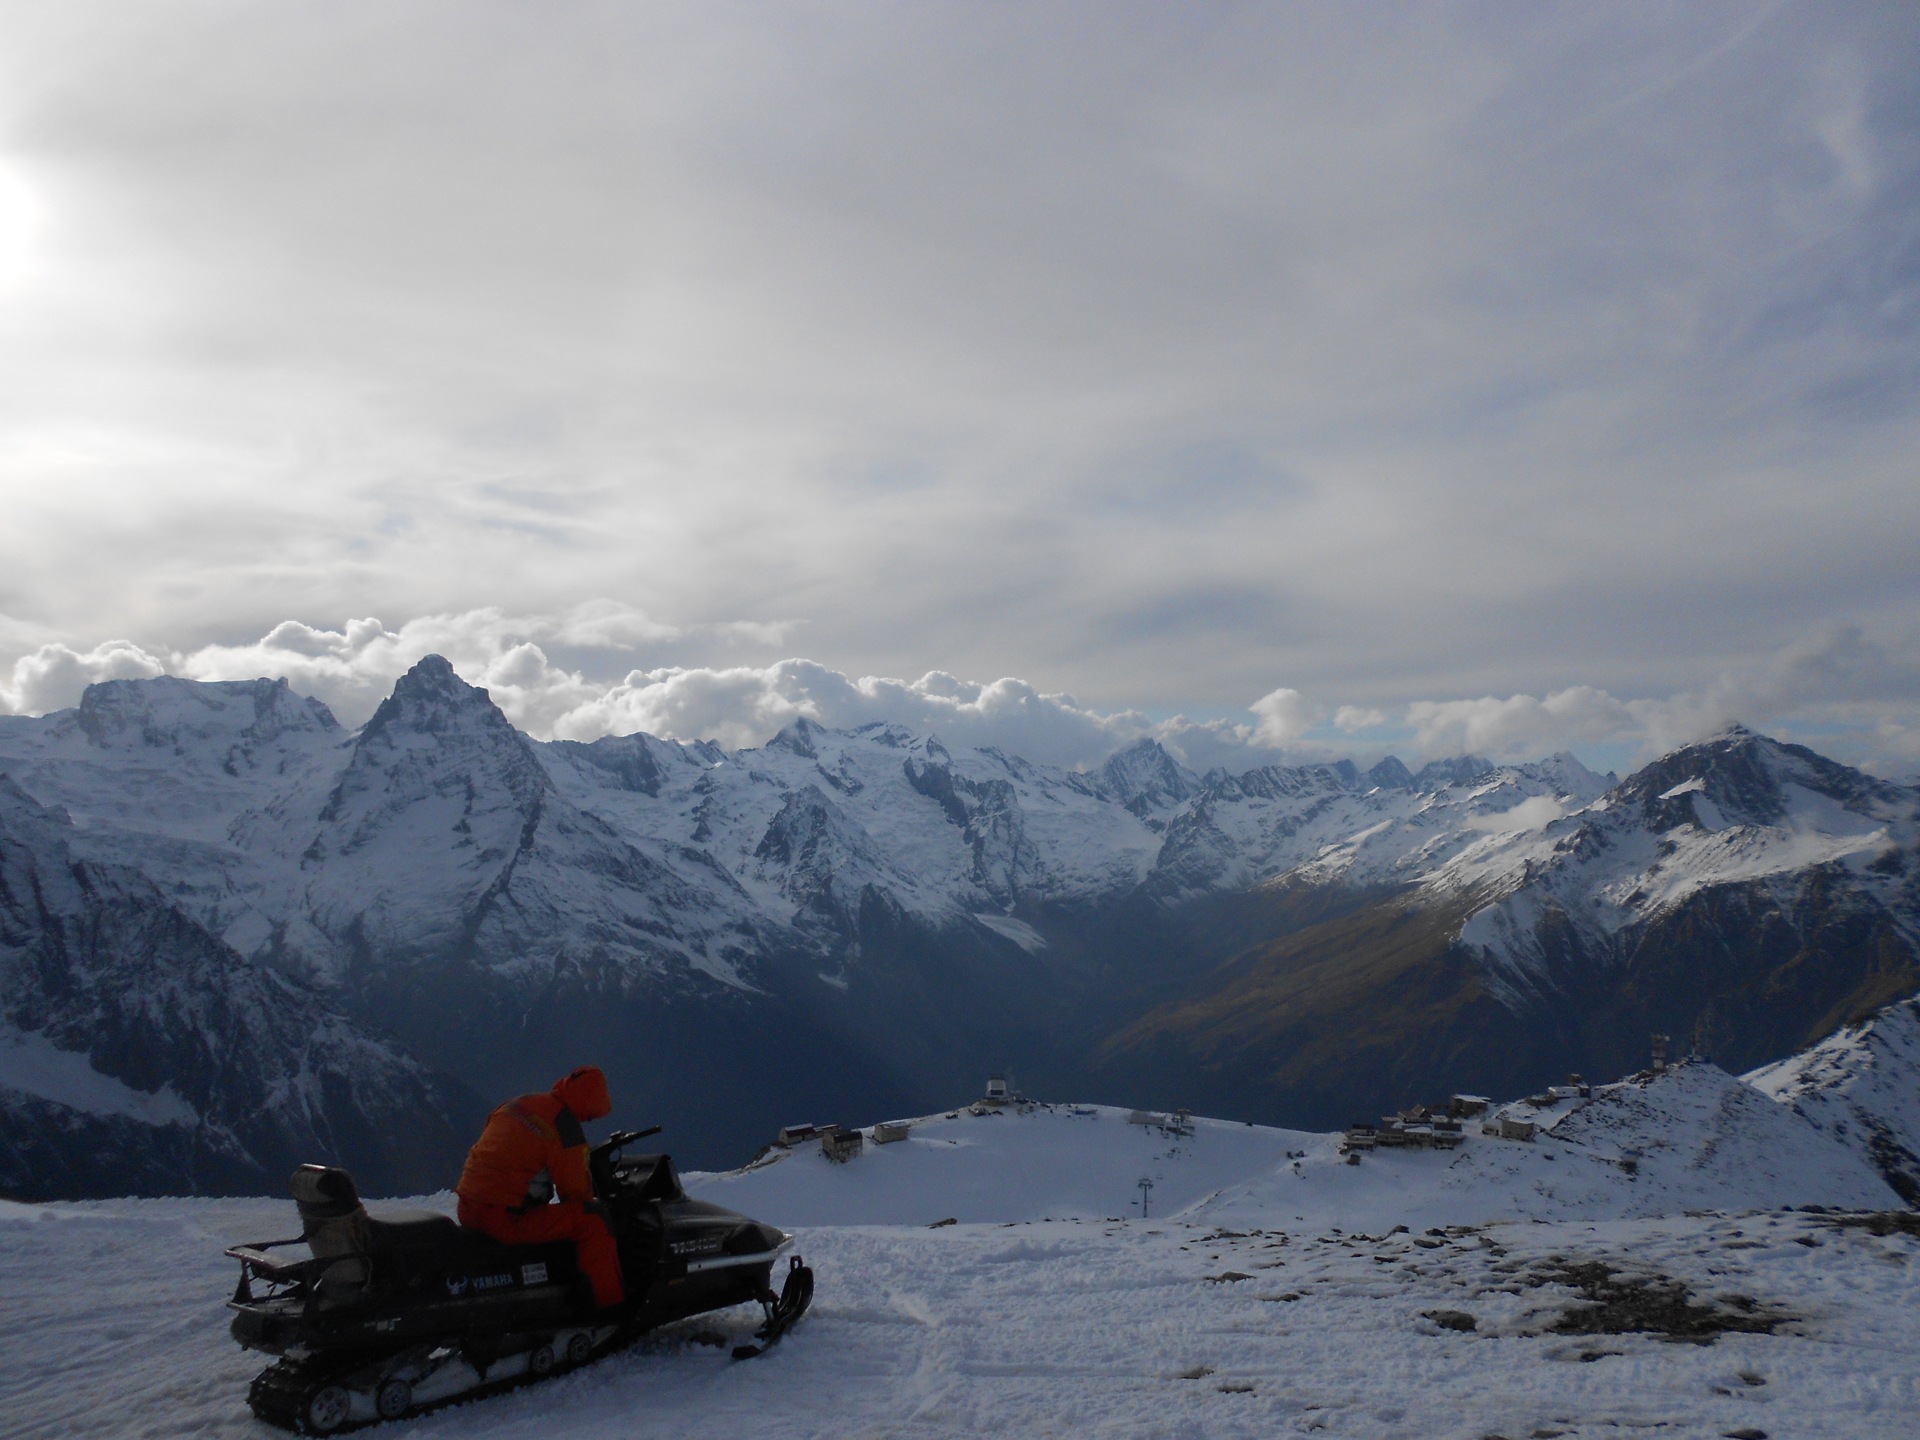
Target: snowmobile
(395, 1311)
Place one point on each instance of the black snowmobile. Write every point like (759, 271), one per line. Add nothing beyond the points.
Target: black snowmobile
(396, 1311)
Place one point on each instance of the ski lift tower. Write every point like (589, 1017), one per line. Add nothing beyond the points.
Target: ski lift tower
(1146, 1188)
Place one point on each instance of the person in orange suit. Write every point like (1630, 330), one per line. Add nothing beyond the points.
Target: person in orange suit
(532, 1151)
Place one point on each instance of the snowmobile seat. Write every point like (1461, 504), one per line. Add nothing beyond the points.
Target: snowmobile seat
(334, 1224)
(337, 1225)
(391, 1242)
(394, 1227)
(425, 1242)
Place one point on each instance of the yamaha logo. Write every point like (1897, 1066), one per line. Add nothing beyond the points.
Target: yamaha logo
(460, 1284)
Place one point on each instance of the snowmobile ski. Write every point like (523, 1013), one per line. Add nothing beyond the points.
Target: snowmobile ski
(394, 1312)
(794, 1298)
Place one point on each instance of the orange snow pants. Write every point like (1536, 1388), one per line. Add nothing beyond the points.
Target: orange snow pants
(599, 1255)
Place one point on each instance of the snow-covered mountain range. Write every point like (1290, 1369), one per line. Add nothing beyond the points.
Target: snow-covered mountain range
(867, 918)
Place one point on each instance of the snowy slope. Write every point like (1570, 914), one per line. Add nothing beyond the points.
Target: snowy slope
(1744, 896)
(1409, 1297)
(164, 776)
(1862, 1087)
(946, 836)
(1315, 824)
(1697, 1138)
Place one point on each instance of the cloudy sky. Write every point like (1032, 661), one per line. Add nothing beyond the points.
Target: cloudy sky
(1505, 376)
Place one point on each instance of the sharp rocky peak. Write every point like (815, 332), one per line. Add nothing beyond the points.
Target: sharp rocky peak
(1391, 774)
(1145, 774)
(1455, 770)
(431, 699)
(434, 730)
(1746, 775)
(799, 738)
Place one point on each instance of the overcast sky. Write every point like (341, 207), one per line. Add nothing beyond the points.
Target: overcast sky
(1506, 376)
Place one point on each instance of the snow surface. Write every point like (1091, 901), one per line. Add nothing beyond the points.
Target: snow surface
(33, 1065)
(1279, 1291)
(1698, 1139)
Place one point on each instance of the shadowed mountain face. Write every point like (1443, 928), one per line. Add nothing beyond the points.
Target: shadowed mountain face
(142, 1055)
(865, 922)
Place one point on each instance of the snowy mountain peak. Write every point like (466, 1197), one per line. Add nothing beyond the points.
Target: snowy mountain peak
(431, 699)
(437, 754)
(1145, 778)
(1747, 779)
(1457, 770)
(1574, 779)
(799, 738)
(629, 761)
(202, 719)
(886, 732)
(1391, 774)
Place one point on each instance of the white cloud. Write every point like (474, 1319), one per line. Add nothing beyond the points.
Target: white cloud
(1855, 696)
(354, 667)
(1520, 725)
(743, 705)
(1534, 813)
(1839, 680)
(53, 676)
(1285, 715)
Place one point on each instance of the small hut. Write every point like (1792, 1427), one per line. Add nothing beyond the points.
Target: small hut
(840, 1145)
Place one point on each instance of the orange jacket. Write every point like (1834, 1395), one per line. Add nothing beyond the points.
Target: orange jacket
(532, 1136)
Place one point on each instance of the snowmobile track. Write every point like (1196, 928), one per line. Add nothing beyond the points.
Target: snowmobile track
(293, 1394)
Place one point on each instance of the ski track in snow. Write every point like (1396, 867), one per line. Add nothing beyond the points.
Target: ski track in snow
(1277, 1297)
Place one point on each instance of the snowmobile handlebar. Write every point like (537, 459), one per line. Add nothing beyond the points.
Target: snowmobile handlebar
(622, 1138)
